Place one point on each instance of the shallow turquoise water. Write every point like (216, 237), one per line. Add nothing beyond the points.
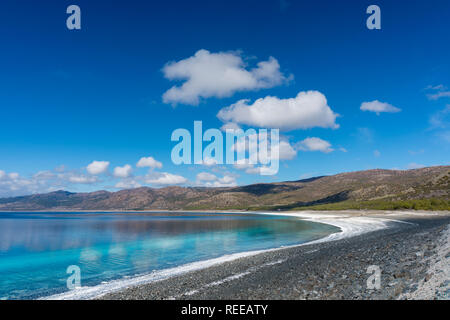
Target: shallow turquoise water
(37, 248)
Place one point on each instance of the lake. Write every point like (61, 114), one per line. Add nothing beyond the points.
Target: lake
(37, 248)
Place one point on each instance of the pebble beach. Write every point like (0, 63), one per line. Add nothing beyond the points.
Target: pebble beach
(410, 249)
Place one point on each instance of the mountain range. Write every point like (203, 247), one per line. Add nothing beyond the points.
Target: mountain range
(425, 188)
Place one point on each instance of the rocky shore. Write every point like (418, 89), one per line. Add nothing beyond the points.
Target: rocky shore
(412, 255)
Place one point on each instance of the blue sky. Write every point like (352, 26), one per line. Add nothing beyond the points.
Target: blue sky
(71, 97)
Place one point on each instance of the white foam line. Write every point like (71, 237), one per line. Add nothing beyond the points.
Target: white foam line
(349, 225)
(85, 293)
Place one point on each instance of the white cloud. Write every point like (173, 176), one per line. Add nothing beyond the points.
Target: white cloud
(287, 152)
(225, 181)
(127, 184)
(13, 175)
(218, 75)
(438, 95)
(244, 143)
(44, 175)
(439, 92)
(377, 107)
(206, 176)
(123, 172)
(441, 118)
(209, 162)
(149, 162)
(230, 125)
(207, 179)
(60, 168)
(165, 178)
(414, 165)
(82, 179)
(12, 184)
(97, 167)
(307, 110)
(243, 166)
(376, 153)
(261, 170)
(314, 144)
(437, 87)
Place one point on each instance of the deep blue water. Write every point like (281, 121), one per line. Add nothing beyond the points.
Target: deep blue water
(37, 248)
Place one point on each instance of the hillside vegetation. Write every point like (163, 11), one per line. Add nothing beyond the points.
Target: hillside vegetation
(424, 189)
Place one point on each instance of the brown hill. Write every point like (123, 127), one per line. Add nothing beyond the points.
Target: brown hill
(377, 189)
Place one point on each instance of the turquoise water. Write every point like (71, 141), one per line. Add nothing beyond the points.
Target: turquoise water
(37, 248)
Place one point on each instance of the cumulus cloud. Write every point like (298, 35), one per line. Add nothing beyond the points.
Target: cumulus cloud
(82, 179)
(123, 172)
(127, 184)
(314, 144)
(218, 75)
(207, 161)
(243, 166)
(206, 176)
(97, 167)
(225, 181)
(149, 162)
(307, 110)
(207, 179)
(287, 152)
(13, 175)
(230, 126)
(261, 170)
(378, 107)
(12, 184)
(165, 178)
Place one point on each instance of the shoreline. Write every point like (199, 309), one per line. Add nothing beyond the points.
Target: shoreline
(315, 212)
(351, 225)
(322, 270)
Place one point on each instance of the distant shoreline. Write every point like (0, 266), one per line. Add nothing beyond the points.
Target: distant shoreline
(349, 211)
